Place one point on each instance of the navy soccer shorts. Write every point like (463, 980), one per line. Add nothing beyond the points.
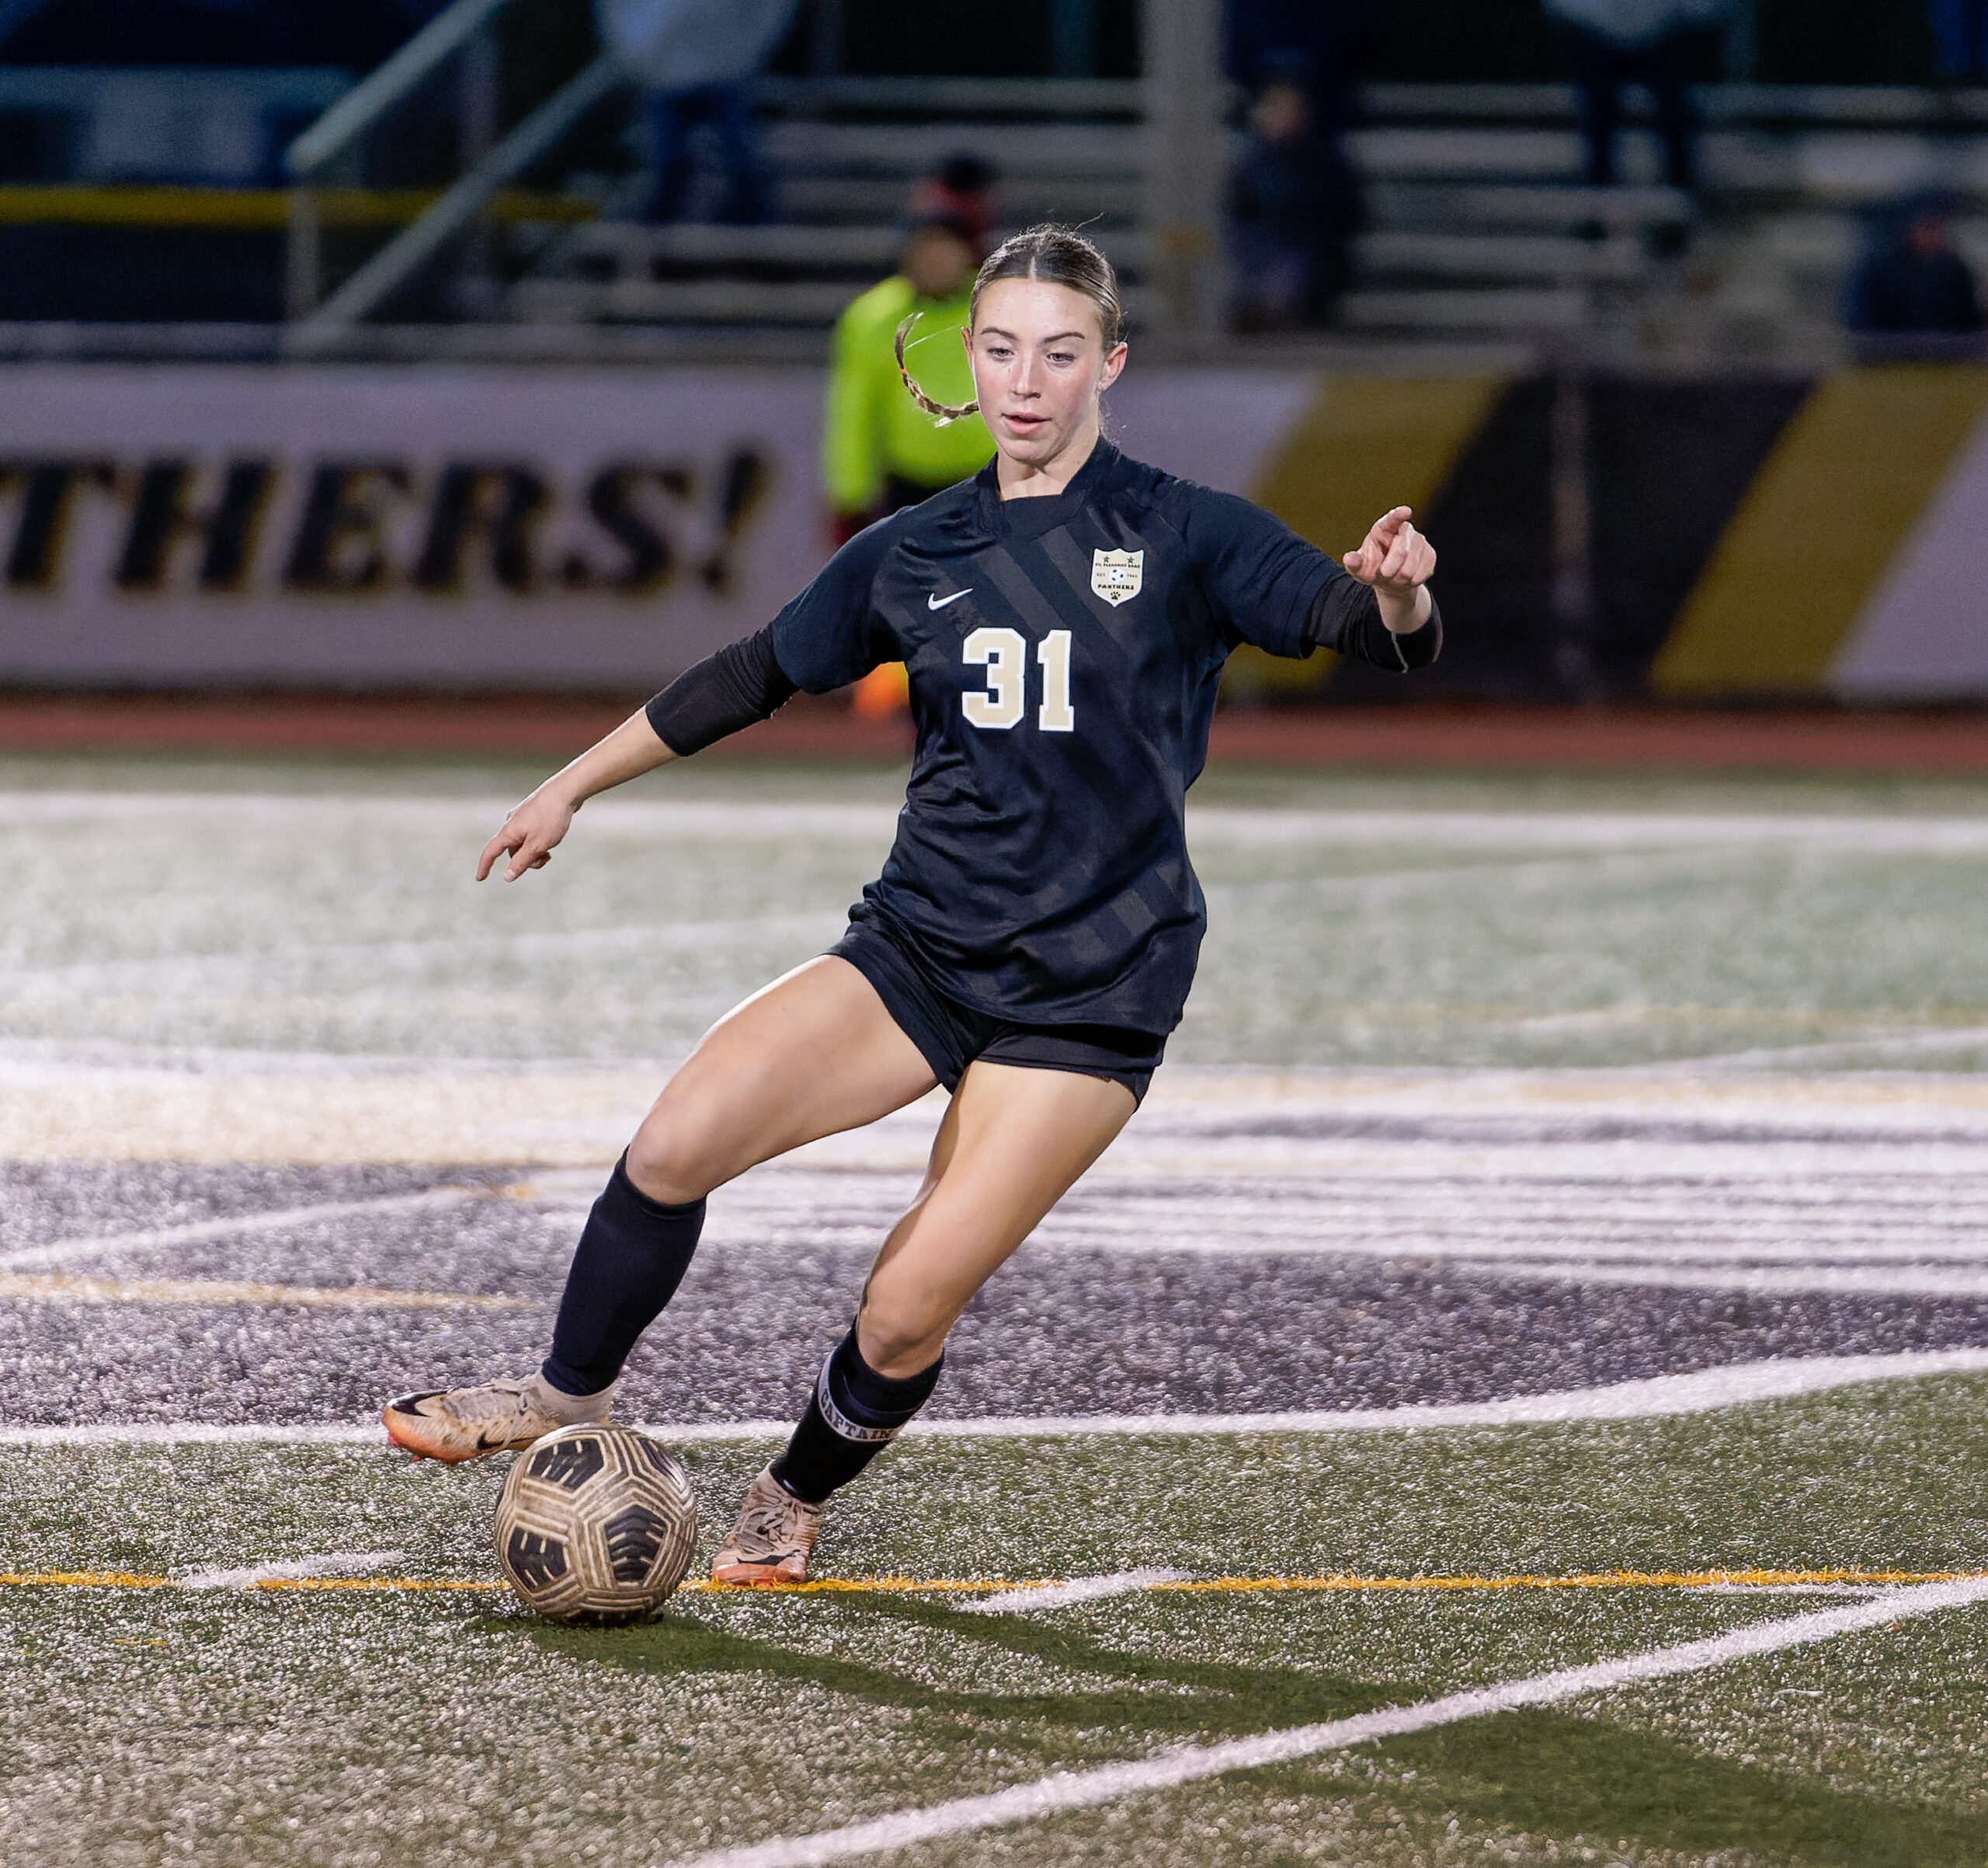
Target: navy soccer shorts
(949, 1035)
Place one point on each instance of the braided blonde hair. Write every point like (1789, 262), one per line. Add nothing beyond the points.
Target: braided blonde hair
(1052, 253)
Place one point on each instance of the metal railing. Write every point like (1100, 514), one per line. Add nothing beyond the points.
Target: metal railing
(370, 100)
(463, 33)
(1053, 97)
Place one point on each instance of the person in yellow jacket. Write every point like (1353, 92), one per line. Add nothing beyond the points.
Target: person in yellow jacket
(879, 451)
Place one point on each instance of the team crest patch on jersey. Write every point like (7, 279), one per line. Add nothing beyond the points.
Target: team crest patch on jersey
(1116, 576)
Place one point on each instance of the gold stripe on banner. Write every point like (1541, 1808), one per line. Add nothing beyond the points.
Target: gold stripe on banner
(1362, 444)
(1826, 516)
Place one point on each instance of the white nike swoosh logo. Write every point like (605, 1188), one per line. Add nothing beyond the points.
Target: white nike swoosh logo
(936, 601)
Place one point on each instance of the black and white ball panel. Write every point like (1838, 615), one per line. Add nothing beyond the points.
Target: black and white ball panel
(596, 1524)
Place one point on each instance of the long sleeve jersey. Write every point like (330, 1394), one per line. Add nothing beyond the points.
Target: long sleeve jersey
(1064, 654)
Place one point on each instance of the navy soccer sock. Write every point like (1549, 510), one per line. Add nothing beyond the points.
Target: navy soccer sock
(632, 1254)
(853, 1415)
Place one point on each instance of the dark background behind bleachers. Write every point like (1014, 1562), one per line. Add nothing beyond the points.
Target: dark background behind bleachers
(1441, 41)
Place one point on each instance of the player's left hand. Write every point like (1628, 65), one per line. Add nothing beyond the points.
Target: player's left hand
(1396, 558)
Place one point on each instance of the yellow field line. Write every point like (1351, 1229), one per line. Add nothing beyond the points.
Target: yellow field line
(1608, 1579)
(874, 1585)
(1234, 1585)
(81, 1288)
(1604, 1579)
(127, 1579)
(83, 1579)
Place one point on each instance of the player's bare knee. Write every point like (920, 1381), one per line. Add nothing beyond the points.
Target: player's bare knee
(669, 1167)
(898, 1333)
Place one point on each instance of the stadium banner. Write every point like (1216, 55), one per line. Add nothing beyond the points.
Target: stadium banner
(1923, 634)
(1854, 562)
(502, 527)
(377, 527)
(440, 527)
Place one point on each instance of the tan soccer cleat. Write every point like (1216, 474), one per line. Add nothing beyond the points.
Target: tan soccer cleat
(458, 1424)
(772, 1539)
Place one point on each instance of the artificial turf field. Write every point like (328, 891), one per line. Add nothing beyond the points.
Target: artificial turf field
(1555, 1244)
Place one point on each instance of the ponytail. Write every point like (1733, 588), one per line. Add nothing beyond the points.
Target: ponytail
(1052, 253)
(942, 415)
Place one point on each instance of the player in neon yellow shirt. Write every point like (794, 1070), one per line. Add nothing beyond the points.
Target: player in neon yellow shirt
(879, 451)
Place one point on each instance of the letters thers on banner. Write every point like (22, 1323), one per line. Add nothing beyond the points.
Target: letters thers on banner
(360, 527)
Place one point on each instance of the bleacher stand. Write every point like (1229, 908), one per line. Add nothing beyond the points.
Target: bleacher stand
(453, 181)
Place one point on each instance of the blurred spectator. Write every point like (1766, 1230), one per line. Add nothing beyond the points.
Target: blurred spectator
(1294, 206)
(693, 57)
(1960, 39)
(1616, 43)
(879, 451)
(962, 191)
(1910, 282)
(1308, 43)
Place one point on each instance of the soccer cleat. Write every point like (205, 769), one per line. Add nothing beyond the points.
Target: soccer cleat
(772, 1539)
(458, 1424)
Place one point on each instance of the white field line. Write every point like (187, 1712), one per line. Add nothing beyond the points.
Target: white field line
(1500, 1189)
(1065, 1595)
(464, 816)
(335, 1562)
(1532, 833)
(1738, 1384)
(1190, 1764)
(1487, 1227)
(231, 1226)
(1898, 1235)
(197, 1433)
(184, 971)
(1833, 1185)
(1904, 1281)
(1911, 1044)
(1410, 1241)
(1665, 1186)
(32, 1061)
(1956, 1196)
(1526, 832)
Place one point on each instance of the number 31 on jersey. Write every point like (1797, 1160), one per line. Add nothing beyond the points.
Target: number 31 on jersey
(1004, 653)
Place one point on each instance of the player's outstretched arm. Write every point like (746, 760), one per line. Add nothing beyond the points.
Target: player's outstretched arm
(534, 827)
(1396, 562)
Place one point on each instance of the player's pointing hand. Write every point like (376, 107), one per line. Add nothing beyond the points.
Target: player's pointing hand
(1395, 556)
(1396, 562)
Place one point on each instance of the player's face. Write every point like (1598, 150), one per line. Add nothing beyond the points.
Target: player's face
(1039, 362)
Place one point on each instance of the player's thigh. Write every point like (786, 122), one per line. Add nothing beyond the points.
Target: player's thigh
(1012, 1145)
(813, 1053)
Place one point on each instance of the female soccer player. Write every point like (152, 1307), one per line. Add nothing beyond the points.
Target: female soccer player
(1063, 616)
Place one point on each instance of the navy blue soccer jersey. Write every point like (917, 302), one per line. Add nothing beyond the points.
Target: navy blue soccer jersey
(1063, 654)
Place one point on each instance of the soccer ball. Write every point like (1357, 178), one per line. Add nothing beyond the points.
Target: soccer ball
(596, 1524)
